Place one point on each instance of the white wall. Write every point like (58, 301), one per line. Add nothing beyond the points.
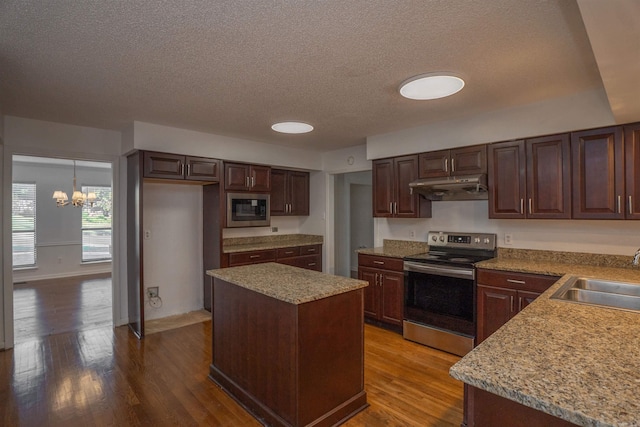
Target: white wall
(592, 236)
(173, 252)
(582, 111)
(58, 229)
(148, 136)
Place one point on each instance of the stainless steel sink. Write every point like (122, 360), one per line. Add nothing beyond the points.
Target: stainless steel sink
(605, 293)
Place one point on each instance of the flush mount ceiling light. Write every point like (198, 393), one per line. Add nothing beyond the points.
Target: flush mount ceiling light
(431, 86)
(292, 127)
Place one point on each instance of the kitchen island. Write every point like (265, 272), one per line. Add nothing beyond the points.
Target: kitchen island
(556, 362)
(288, 343)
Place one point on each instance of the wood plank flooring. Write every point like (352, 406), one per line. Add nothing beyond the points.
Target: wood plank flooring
(47, 307)
(105, 376)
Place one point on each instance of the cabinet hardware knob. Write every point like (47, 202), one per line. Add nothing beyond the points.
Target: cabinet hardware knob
(181, 168)
(530, 206)
(630, 206)
(381, 279)
(520, 282)
(453, 165)
(522, 206)
(246, 181)
(446, 165)
(253, 181)
(619, 203)
(391, 208)
(519, 303)
(512, 308)
(188, 169)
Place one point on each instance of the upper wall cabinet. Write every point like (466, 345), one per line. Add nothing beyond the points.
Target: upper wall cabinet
(244, 177)
(289, 192)
(530, 179)
(392, 197)
(632, 170)
(458, 161)
(179, 167)
(598, 173)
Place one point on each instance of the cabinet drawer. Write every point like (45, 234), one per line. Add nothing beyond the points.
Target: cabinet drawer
(253, 257)
(310, 249)
(517, 281)
(382, 262)
(288, 252)
(310, 262)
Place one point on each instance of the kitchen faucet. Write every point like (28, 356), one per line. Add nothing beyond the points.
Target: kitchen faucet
(636, 258)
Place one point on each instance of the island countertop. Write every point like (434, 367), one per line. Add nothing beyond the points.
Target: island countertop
(286, 283)
(577, 362)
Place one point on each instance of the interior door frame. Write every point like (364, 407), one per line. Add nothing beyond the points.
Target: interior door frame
(7, 277)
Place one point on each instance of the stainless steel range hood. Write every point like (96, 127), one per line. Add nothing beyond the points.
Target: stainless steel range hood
(466, 187)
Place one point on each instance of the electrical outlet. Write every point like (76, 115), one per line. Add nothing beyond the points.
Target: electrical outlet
(152, 292)
(412, 233)
(147, 234)
(508, 239)
(274, 229)
(59, 260)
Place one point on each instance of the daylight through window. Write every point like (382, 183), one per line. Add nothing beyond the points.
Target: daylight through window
(96, 225)
(23, 219)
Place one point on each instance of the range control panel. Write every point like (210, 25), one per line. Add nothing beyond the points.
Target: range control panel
(462, 240)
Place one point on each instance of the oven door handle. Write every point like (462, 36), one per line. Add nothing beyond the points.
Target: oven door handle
(461, 273)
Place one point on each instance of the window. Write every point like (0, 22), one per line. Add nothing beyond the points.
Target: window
(96, 225)
(23, 219)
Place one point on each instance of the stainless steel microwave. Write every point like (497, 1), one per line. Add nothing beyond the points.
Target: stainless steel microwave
(248, 210)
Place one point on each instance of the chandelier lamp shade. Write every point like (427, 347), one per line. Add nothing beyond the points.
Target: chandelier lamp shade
(78, 198)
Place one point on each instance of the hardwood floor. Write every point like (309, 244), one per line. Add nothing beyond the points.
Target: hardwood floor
(47, 307)
(105, 376)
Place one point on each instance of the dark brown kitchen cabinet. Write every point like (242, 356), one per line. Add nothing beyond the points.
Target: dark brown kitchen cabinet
(530, 179)
(458, 161)
(598, 173)
(289, 192)
(501, 295)
(384, 297)
(179, 167)
(306, 256)
(392, 197)
(245, 177)
(632, 170)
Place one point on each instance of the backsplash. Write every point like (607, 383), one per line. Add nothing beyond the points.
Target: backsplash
(601, 260)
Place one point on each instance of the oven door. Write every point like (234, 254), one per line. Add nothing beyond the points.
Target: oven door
(441, 297)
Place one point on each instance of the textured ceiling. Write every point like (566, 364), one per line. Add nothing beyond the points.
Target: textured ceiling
(234, 67)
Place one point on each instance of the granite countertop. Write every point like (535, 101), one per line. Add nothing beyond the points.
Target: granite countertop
(258, 243)
(574, 361)
(396, 249)
(286, 283)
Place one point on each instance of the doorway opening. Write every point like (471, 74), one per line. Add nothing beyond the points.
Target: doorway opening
(353, 219)
(61, 253)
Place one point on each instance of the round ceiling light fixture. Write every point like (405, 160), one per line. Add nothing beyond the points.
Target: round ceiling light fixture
(431, 86)
(292, 127)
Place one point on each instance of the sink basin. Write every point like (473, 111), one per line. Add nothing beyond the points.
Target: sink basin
(605, 293)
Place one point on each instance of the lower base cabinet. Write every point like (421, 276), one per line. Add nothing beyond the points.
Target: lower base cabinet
(384, 297)
(307, 256)
(484, 409)
(502, 295)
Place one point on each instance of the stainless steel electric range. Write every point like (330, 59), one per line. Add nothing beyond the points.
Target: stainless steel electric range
(440, 291)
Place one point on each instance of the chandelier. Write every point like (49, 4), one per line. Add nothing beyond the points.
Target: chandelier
(78, 198)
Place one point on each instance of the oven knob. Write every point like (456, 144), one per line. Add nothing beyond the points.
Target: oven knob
(486, 240)
(442, 238)
(476, 240)
(434, 238)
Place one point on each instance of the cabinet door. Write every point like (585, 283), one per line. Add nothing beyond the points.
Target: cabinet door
(525, 298)
(433, 164)
(392, 297)
(406, 171)
(383, 196)
(632, 170)
(298, 193)
(202, 169)
(163, 165)
(278, 192)
(548, 177)
(469, 160)
(495, 307)
(598, 173)
(370, 292)
(260, 178)
(236, 176)
(506, 168)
